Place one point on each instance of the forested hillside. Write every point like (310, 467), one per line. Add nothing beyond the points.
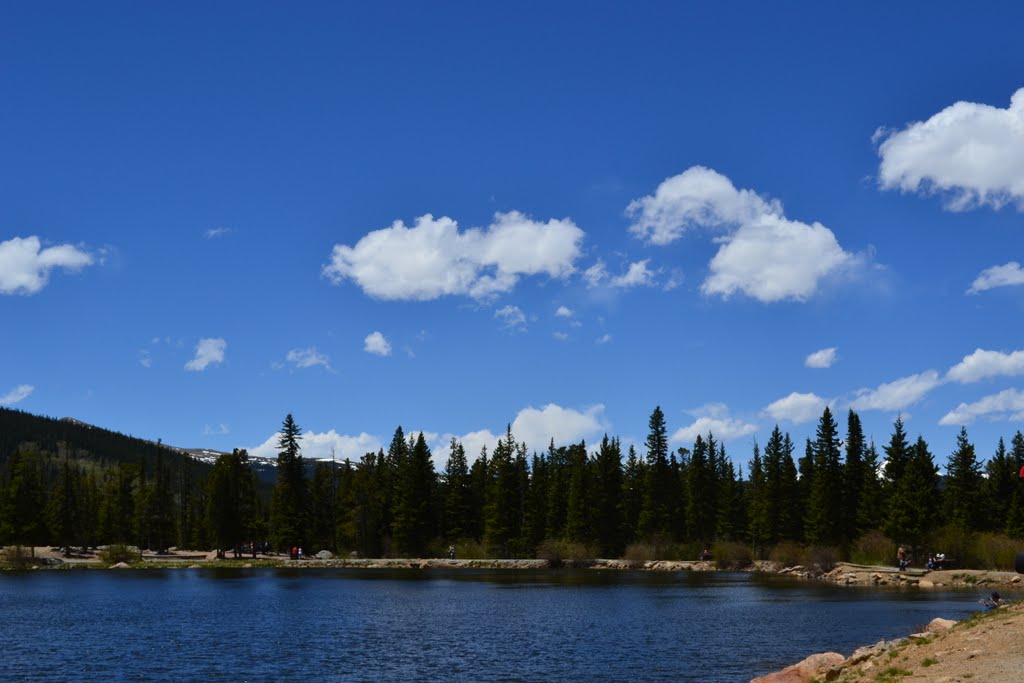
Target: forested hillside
(834, 496)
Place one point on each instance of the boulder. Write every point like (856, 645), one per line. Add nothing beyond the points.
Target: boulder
(120, 565)
(813, 667)
(938, 625)
(325, 555)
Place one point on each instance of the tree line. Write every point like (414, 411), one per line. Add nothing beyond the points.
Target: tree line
(510, 502)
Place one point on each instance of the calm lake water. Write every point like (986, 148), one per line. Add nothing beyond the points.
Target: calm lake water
(376, 625)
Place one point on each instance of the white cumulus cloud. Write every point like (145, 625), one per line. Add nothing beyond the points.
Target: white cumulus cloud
(536, 427)
(563, 312)
(637, 275)
(208, 352)
(377, 343)
(1006, 405)
(16, 395)
(319, 445)
(821, 359)
(763, 254)
(432, 258)
(1005, 275)
(973, 153)
(713, 418)
(983, 364)
(25, 266)
(797, 408)
(308, 358)
(512, 317)
(898, 394)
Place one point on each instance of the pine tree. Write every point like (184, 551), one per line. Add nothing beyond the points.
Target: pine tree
(913, 509)
(501, 507)
(413, 525)
(1015, 513)
(632, 495)
(701, 511)
(824, 515)
(854, 477)
(608, 518)
(65, 507)
(288, 502)
(656, 512)
(758, 512)
(869, 507)
(457, 494)
(579, 519)
(231, 500)
(23, 515)
(962, 495)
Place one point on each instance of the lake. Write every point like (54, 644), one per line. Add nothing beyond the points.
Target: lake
(464, 625)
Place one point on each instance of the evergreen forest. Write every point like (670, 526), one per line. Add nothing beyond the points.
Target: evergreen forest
(836, 496)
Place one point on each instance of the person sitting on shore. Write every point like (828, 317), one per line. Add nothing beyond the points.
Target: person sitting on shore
(901, 558)
(993, 601)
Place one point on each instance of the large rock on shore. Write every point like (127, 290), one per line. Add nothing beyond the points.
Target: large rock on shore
(815, 666)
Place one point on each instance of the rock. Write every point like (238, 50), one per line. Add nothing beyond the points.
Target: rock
(925, 583)
(194, 566)
(938, 625)
(52, 561)
(120, 565)
(325, 555)
(803, 672)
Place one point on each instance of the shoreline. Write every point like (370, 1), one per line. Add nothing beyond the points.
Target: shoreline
(844, 573)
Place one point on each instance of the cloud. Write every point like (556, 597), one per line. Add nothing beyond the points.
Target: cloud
(897, 394)
(998, 276)
(983, 364)
(377, 343)
(25, 267)
(307, 358)
(561, 336)
(513, 318)
(603, 339)
(973, 153)
(1006, 405)
(821, 359)
(565, 425)
(636, 276)
(208, 352)
(145, 358)
(16, 395)
(595, 274)
(763, 254)
(713, 418)
(432, 258)
(219, 430)
(563, 312)
(318, 446)
(797, 408)
(214, 233)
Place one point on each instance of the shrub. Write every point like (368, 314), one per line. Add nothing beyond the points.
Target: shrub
(996, 551)
(730, 555)
(120, 552)
(956, 542)
(874, 547)
(18, 555)
(557, 552)
(824, 558)
(640, 552)
(787, 553)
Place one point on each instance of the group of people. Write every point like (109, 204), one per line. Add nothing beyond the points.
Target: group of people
(935, 560)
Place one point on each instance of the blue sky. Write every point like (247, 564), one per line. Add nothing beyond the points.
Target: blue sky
(559, 215)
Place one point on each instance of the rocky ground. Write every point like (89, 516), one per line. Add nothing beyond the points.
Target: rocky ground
(985, 648)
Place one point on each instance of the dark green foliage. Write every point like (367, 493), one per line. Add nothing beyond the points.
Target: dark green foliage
(658, 488)
(824, 515)
(608, 519)
(288, 503)
(914, 505)
(458, 495)
(962, 495)
(701, 513)
(413, 526)
(231, 500)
